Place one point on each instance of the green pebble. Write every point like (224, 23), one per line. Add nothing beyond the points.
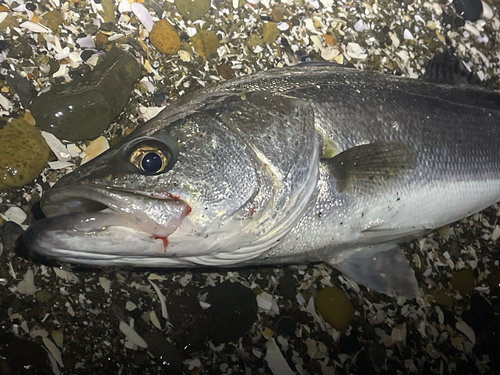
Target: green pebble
(192, 9)
(463, 281)
(270, 32)
(335, 307)
(85, 107)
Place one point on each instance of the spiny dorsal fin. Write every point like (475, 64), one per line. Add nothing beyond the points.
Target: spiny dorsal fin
(363, 169)
(447, 68)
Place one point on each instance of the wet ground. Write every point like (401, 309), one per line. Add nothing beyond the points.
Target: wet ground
(62, 320)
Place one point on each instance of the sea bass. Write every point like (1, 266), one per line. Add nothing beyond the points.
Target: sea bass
(314, 163)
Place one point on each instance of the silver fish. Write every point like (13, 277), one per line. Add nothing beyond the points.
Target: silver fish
(301, 164)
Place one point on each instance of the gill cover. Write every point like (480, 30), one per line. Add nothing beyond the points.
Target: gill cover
(279, 132)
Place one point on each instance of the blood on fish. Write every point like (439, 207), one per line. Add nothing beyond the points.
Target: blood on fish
(188, 210)
(165, 241)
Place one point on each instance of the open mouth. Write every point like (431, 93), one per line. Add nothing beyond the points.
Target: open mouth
(101, 223)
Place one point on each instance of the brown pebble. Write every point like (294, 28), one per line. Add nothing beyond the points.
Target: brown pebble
(494, 278)
(277, 15)
(101, 39)
(225, 71)
(441, 297)
(53, 19)
(463, 281)
(164, 37)
(329, 39)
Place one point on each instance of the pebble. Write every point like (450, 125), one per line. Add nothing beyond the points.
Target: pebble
(441, 297)
(23, 153)
(335, 307)
(480, 314)
(470, 10)
(43, 295)
(164, 37)
(493, 278)
(20, 85)
(225, 71)
(277, 15)
(232, 311)
(53, 19)
(189, 322)
(85, 107)
(192, 9)
(25, 357)
(205, 43)
(463, 281)
(10, 232)
(270, 32)
(163, 349)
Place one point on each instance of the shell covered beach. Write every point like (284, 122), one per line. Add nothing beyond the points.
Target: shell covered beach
(301, 319)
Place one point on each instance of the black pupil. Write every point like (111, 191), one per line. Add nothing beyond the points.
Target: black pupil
(151, 162)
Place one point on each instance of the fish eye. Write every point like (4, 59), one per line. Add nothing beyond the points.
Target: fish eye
(151, 157)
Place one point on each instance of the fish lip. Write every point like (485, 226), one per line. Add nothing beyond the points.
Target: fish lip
(90, 198)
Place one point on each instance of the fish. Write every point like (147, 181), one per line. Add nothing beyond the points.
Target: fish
(309, 163)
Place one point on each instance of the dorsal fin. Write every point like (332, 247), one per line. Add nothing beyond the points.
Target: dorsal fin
(447, 68)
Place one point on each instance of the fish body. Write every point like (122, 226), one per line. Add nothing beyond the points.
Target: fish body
(300, 164)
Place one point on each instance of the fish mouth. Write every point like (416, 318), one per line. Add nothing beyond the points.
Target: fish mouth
(105, 226)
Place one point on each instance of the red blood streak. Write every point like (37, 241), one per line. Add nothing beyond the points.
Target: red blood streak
(188, 210)
(165, 241)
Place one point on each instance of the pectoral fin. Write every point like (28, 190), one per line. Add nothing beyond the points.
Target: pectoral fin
(383, 268)
(366, 168)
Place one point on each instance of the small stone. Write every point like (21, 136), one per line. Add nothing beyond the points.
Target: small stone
(192, 9)
(189, 323)
(53, 19)
(480, 314)
(232, 311)
(225, 71)
(286, 325)
(329, 39)
(441, 297)
(463, 281)
(23, 153)
(25, 357)
(277, 15)
(101, 39)
(9, 22)
(470, 10)
(108, 10)
(270, 32)
(10, 232)
(254, 40)
(205, 43)
(164, 37)
(163, 349)
(335, 307)
(494, 278)
(43, 295)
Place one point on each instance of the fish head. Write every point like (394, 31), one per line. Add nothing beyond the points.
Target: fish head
(214, 186)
